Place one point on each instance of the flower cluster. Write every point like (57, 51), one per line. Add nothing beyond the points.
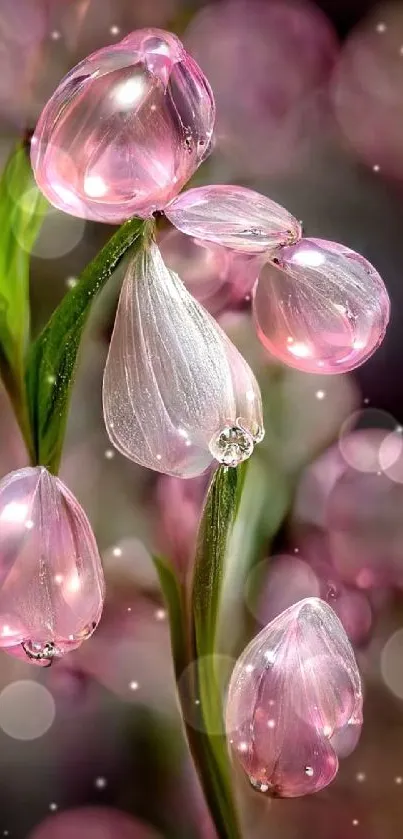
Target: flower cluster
(120, 137)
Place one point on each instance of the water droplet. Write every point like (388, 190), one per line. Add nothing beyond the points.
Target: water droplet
(308, 771)
(232, 445)
(41, 652)
(260, 786)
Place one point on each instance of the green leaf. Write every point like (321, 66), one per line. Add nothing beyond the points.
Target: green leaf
(53, 356)
(175, 602)
(210, 742)
(22, 209)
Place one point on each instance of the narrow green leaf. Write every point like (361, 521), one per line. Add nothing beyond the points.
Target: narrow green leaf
(53, 356)
(210, 743)
(22, 209)
(174, 599)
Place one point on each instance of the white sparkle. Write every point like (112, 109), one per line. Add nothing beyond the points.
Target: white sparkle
(298, 349)
(243, 747)
(95, 186)
(100, 783)
(134, 686)
(71, 282)
(160, 614)
(158, 456)
(270, 656)
(398, 780)
(271, 723)
(128, 93)
(117, 551)
(58, 579)
(29, 524)
(355, 822)
(381, 27)
(55, 35)
(376, 168)
(249, 668)
(53, 806)
(50, 379)
(361, 777)
(114, 30)
(320, 394)
(109, 454)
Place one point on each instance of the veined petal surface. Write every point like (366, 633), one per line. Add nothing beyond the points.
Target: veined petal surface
(173, 382)
(294, 688)
(51, 578)
(234, 217)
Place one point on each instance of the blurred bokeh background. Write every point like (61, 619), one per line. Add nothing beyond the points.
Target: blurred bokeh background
(310, 112)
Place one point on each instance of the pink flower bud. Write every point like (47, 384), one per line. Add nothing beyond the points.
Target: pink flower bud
(293, 693)
(234, 217)
(322, 309)
(125, 129)
(51, 580)
(177, 394)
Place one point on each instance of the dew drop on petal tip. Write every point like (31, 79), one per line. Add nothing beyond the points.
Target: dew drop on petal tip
(322, 308)
(232, 446)
(294, 695)
(124, 130)
(51, 579)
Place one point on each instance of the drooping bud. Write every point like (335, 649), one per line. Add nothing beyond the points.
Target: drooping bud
(293, 699)
(322, 308)
(51, 579)
(125, 129)
(177, 393)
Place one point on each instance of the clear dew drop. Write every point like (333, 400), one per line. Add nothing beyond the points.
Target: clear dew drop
(260, 786)
(232, 445)
(308, 771)
(41, 653)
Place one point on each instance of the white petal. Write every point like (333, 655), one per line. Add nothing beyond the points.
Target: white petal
(173, 381)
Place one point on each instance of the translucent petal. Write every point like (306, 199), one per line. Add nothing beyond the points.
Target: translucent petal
(292, 690)
(323, 309)
(51, 579)
(173, 381)
(234, 217)
(125, 129)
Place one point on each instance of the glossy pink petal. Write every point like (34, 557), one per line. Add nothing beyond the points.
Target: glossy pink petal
(217, 277)
(322, 308)
(176, 393)
(51, 580)
(234, 217)
(294, 688)
(125, 129)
